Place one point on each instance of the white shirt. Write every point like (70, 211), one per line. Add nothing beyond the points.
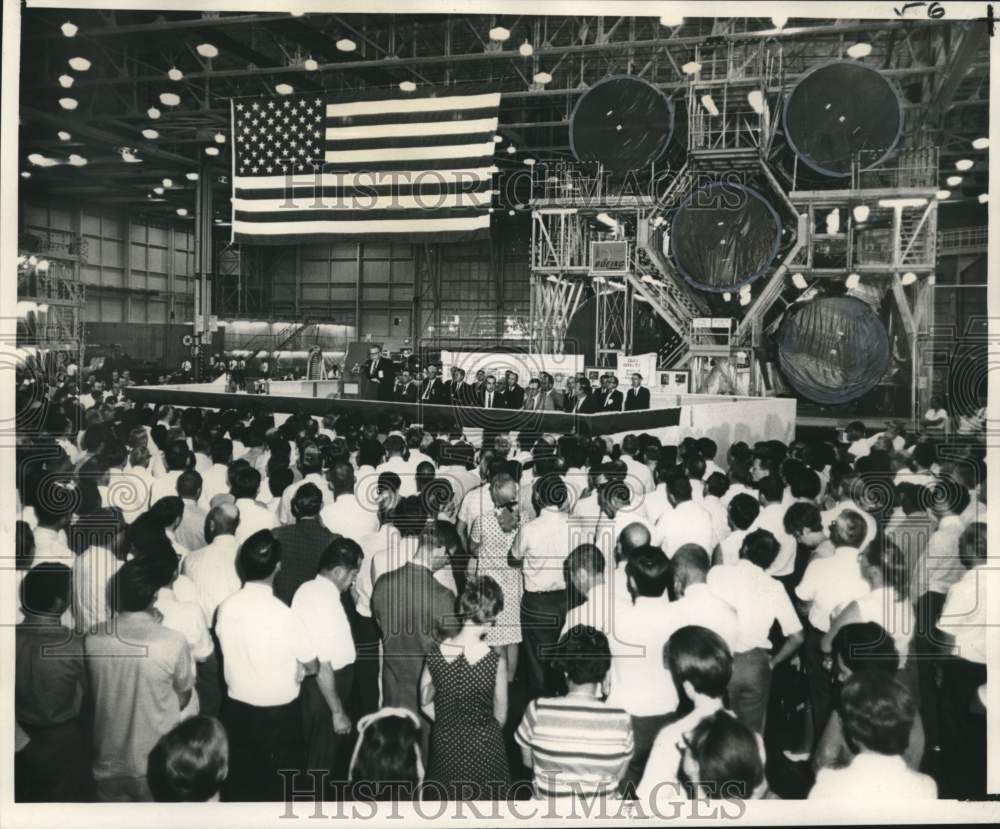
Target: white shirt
(254, 517)
(828, 516)
(317, 607)
(772, 519)
(214, 481)
(187, 619)
(942, 565)
(882, 607)
(657, 505)
(640, 479)
(349, 517)
(759, 601)
(544, 543)
(964, 615)
(639, 681)
(129, 490)
(596, 611)
(164, 486)
(737, 489)
(51, 546)
(407, 478)
(732, 544)
(688, 523)
(872, 776)
(262, 642)
(375, 545)
(285, 509)
(720, 518)
(92, 571)
(213, 571)
(831, 584)
(474, 504)
(700, 606)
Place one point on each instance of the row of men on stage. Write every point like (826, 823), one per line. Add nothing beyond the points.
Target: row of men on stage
(405, 383)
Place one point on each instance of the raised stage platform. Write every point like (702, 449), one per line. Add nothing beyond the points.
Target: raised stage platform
(722, 418)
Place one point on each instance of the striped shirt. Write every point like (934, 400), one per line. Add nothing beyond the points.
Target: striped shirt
(578, 746)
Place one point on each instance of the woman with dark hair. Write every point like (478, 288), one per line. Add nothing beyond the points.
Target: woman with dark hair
(463, 690)
(190, 762)
(720, 759)
(387, 762)
(577, 744)
(877, 715)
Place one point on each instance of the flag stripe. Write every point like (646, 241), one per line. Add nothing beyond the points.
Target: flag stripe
(367, 178)
(410, 153)
(409, 141)
(359, 215)
(422, 130)
(413, 166)
(365, 202)
(308, 191)
(381, 118)
(446, 103)
(410, 225)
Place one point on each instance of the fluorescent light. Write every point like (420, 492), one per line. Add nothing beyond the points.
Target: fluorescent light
(64, 136)
(983, 198)
(542, 78)
(709, 104)
(756, 100)
(158, 191)
(153, 113)
(526, 49)
(530, 162)
(799, 281)
(691, 67)
(168, 183)
(941, 195)
(207, 50)
(174, 73)
(182, 211)
(497, 139)
(852, 282)
(499, 33)
(859, 50)
(79, 64)
(953, 181)
(345, 44)
(69, 103)
(191, 176)
(150, 133)
(779, 20)
(220, 138)
(77, 160)
(510, 212)
(407, 86)
(40, 160)
(69, 29)
(861, 213)
(902, 202)
(310, 65)
(66, 81)
(284, 89)
(511, 149)
(673, 19)
(211, 150)
(908, 278)
(981, 143)
(170, 99)
(963, 164)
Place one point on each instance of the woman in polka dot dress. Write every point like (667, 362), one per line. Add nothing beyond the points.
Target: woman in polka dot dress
(463, 690)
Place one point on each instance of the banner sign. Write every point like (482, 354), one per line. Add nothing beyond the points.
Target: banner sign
(629, 364)
(609, 258)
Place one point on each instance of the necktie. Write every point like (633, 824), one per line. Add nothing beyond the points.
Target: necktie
(427, 391)
(489, 400)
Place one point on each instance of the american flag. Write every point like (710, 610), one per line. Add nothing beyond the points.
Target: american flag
(396, 165)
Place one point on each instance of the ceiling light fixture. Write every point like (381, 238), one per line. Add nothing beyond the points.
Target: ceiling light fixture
(26, 174)
(511, 149)
(168, 183)
(345, 44)
(526, 50)
(170, 99)
(68, 29)
(220, 138)
(284, 89)
(852, 281)
(692, 67)
(983, 198)
(174, 73)
(861, 213)
(497, 139)
(530, 162)
(953, 181)
(941, 195)
(672, 19)
(158, 191)
(859, 50)
(63, 135)
(191, 176)
(153, 113)
(709, 104)
(745, 299)
(981, 143)
(542, 78)
(908, 278)
(963, 164)
(69, 103)
(211, 151)
(407, 86)
(756, 100)
(310, 65)
(207, 50)
(79, 64)
(779, 21)
(150, 133)
(77, 160)
(499, 34)
(182, 211)
(66, 81)
(799, 281)
(726, 296)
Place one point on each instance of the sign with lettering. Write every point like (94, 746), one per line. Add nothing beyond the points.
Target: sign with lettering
(629, 364)
(609, 258)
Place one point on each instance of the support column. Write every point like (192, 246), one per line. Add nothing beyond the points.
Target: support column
(204, 262)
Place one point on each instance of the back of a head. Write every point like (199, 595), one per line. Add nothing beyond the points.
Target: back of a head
(133, 588)
(190, 762)
(224, 519)
(761, 548)
(972, 549)
(707, 448)
(866, 646)
(877, 713)
(167, 510)
(307, 501)
(46, 588)
(341, 552)
(648, 571)
(743, 511)
(387, 751)
(727, 756)
(394, 445)
(259, 556)
(480, 601)
(189, 485)
(679, 488)
(551, 491)
(852, 528)
(244, 481)
(700, 656)
(695, 467)
(716, 484)
(771, 488)
(342, 477)
(587, 557)
(802, 516)
(692, 560)
(177, 455)
(583, 655)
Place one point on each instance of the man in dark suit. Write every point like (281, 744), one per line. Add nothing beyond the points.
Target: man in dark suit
(637, 396)
(570, 395)
(513, 394)
(406, 388)
(432, 389)
(457, 391)
(612, 399)
(380, 375)
(586, 402)
(408, 361)
(491, 397)
(549, 389)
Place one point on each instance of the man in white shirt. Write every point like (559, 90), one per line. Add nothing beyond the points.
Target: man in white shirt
(190, 533)
(92, 571)
(215, 479)
(640, 477)
(311, 467)
(848, 493)
(266, 652)
(177, 458)
(742, 519)
(760, 600)
(213, 567)
(687, 523)
(828, 586)
(716, 485)
(639, 682)
(696, 604)
(394, 447)
(254, 516)
(318, 608)
(542, 546)
(772, 519)
(347, 514)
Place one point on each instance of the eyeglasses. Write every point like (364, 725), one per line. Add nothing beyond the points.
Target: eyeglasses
(511, 505)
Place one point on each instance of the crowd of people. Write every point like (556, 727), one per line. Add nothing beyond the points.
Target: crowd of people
(211, 600)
